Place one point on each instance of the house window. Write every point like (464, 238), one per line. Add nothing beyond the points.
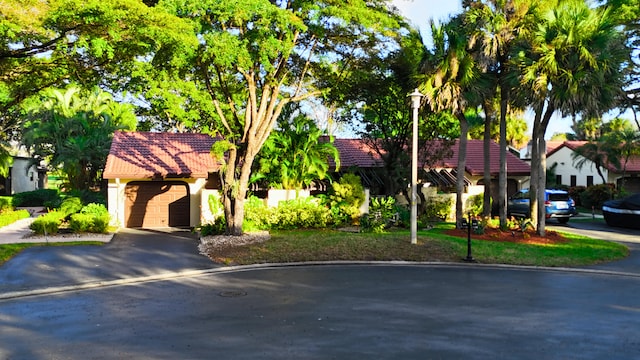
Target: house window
(558, 179)
(574, 180)
(590, 180)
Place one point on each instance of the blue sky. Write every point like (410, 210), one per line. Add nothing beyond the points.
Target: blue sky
(420, 11)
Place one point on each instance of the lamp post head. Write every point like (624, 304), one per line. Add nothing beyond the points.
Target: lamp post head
(416, 96)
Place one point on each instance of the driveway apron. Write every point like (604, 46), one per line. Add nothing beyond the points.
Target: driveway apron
(131, 253)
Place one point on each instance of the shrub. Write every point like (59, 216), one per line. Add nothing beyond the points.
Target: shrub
(90, 222)
(596, 195)
(300, 213)
(257, 216)
(48, 223)
(346, 197)
(94, 209)
(71, 205)
(218, 227)
(475, 204)
(576, 193)
(6, 203)
(9, 216)
(438, 208)
(36, 198)
(382, 214)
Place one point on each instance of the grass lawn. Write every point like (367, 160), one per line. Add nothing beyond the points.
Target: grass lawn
(7, 251)
(433, 245)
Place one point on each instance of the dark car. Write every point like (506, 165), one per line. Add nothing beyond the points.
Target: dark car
(557, 203)
(623, 213)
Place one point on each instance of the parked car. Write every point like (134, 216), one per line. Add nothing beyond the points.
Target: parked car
(623, 213)
(557, 203)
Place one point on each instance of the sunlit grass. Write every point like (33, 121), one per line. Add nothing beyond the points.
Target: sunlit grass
(433, 245)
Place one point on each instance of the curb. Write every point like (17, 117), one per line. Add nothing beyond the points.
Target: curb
(230, 269)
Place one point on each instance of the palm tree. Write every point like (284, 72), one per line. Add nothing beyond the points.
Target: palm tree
(452, 83)
(297, 155)
(496, 25)
(572, 64)
(592, 152)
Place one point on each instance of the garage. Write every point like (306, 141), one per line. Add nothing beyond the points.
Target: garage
(154, 204)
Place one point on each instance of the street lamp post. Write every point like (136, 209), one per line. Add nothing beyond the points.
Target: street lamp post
(416, 96)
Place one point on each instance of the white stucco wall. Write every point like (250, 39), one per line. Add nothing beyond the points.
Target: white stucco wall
(566, 168)
(24, 176)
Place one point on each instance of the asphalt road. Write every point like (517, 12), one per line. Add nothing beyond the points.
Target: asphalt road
(339, 311)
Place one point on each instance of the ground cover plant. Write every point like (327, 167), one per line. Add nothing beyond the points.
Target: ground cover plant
(434, 245)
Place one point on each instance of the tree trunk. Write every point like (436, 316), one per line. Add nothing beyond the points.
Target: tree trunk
(486, 205)
(502, 176)
(462, 163)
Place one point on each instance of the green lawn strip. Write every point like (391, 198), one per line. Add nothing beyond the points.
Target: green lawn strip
(433, 245)
(7, 251)
(578, 251)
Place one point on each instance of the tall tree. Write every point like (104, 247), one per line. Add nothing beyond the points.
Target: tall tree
(495, 27)
(53, 43)
(254, 58)
(571, 64)
(453, 83)
(374, 101)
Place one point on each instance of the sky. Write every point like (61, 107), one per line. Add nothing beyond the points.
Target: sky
(420, 11)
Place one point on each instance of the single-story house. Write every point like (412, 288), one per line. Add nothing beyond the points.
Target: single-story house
(356, 153)
(158, 179)
(568, 174)
(165, 179)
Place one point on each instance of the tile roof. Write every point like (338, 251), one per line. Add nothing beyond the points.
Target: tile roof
(475, 159)
(145, 155)
(355, 152)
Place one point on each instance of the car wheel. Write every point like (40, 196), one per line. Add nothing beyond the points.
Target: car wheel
(563, 220)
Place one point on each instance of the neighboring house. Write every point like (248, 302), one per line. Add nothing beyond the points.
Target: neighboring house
(568, 174)
(355, 153)
(159, 179)
(23, 176)
(165, 179)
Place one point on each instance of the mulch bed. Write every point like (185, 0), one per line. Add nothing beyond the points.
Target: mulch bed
(528, 237)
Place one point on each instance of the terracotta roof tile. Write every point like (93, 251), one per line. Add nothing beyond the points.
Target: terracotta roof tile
(355, 152)
(475, 159)
(144, 155)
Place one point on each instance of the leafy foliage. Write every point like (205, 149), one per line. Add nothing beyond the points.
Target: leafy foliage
(38, 197)
(92, 218)
(596, 195)
(74, 130)
(252, 59)
(346, 197)
(48, 223)
(297, 154)
(383, 213)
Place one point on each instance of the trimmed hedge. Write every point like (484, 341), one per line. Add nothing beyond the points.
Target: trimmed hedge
(40, 197)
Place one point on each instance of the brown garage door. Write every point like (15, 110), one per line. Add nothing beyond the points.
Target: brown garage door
(152, 204)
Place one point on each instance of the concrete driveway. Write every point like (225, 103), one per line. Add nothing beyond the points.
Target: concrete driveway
(131, 253)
